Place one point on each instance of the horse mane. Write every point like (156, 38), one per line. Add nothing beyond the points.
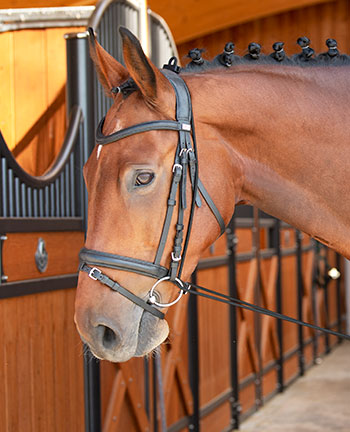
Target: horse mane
(306, 58)
(227, 59)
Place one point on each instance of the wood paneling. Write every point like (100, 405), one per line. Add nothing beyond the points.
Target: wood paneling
(32, 106)
(331, 19)
(62, 248)
(41, 365)
(189, 19)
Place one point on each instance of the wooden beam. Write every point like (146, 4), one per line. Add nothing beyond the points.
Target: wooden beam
(190, 19)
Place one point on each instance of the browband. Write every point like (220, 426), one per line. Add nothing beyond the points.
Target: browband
(139, 128)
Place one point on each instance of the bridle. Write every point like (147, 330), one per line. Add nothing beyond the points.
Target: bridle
(185, 162)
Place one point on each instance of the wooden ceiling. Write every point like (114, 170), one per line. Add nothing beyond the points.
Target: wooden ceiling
(190, 19)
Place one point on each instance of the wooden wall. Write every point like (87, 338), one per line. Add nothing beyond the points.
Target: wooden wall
(32, 88)
(41, 359)
(331, 19)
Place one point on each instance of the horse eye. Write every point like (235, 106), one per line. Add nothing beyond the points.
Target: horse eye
(144, 178)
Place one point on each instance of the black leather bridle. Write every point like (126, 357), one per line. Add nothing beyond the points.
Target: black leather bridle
(185, 161)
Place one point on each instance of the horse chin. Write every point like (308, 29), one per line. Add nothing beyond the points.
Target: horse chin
(152, 332)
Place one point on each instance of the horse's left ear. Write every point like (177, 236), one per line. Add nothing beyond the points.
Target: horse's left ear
(155, 88)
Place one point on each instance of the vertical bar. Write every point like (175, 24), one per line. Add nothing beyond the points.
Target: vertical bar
(276, 241)
(80, 91)
(24, 200)
(231, 250)
(47, 201)
(52, 199)
(62, 194)
(30, 201)
(339, 302)
(147, 386)
(4, 187)
(300, 293)
(155, 404)
(11, 192)
(67, 190)
(92, 395)
(257, 317)
(325, 281)
(316, 277)
(347, 293)
(72, 185)
(58, 201)
(35, 203)
(41, 202)
(17, 197)
(193, 354)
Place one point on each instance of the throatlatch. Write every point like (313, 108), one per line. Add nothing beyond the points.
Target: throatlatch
(185, 162)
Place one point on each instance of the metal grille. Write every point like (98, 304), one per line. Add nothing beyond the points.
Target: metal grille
(115, 15)
(162, 43)
(52, 195)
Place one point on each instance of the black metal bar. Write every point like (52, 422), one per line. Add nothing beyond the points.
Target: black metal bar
(11, 192)
(155, 392)
(146, 373)
(18, 197)
(35, 286)
(80, 93)
(257, 317)
(300, 294)
(234, 399)
(325, 282)
(92, 392)
(339, 302)
(276, 240)
(315, 278)
(4, 187)
(35, 203)
(193, 353)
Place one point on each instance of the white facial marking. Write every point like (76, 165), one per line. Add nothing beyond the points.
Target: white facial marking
(99, 148)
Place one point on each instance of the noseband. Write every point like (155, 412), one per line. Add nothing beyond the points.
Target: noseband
(185, 160)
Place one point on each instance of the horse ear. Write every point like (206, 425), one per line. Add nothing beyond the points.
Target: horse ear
(155, 88)
(109, 71)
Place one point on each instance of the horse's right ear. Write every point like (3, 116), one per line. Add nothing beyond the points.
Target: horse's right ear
(109, 71)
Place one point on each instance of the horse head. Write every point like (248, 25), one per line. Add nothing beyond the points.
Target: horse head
(129, 183)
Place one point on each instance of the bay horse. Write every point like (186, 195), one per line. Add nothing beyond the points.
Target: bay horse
(274, 136)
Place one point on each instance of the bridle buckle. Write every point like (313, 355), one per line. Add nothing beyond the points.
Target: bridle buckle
(91, 273)
(174, 258)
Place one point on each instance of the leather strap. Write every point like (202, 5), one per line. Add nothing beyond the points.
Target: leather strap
(96, 274)
(212, 206)
(104, 259)
(139, 128)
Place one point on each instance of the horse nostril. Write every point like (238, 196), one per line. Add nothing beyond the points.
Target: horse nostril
(109, 337)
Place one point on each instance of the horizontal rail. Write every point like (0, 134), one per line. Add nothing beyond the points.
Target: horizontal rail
(36, 286)
(219, 261)
(38, 18)
(22, 225)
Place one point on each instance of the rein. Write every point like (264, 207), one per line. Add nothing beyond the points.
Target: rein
(185, 165)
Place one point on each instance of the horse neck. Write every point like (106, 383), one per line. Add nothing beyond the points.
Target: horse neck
(288, 129)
